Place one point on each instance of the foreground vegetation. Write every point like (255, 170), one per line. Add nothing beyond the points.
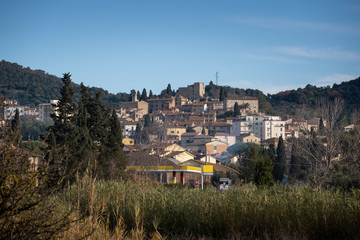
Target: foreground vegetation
(111, 209)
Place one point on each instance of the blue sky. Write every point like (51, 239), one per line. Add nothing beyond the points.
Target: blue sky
(133, 44)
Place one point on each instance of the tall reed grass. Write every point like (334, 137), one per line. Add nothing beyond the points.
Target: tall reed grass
(139, 210)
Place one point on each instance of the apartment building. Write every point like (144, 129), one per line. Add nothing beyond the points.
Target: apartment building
(264, 127)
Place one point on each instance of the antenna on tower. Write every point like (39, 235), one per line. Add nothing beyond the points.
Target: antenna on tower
(217, 77)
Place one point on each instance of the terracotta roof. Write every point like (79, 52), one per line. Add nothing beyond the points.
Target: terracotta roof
(223, 134)
(201, 136)
(159, 99)
(189, 134)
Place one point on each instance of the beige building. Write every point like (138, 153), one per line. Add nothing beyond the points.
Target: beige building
(138, 108)
(251, 104)
(249, 138)
(160, 104)
(195, 91)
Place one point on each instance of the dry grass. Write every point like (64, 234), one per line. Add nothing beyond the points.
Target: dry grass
(142, 210)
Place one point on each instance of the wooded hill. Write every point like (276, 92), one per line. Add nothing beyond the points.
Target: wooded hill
(31, 87)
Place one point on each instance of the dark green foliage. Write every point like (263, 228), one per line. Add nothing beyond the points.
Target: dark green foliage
(263, 171)
(301, 102)
(151, 94)
(32, 87)
(222, 94)
(144, 95)
(87, 134)
(147, 121)
(168, 90)
(343, 177)
(296, 171)
(236, 109)
(13, 131)
(138, 95)
(280, 162)
(141, 135)
(203, 130)
(247, 169)
(32, 129)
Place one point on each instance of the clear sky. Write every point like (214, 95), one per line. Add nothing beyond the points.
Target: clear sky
(134, 44)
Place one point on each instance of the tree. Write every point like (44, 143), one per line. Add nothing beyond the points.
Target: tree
(13, 131)
(144, 95)
(151, 95)
(147, 121)
(203, 130)
(247, 168)
(222, 94)
(168, 90)
(63, 127)
(280, 162)
(236, 109)
(112, 159)
(263, 171)
(320, 152)
(138, 134)
(138, 95)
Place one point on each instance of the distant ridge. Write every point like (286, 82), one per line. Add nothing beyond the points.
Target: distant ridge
(32, 87)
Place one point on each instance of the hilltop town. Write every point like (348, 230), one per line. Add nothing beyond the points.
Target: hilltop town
(186, 128)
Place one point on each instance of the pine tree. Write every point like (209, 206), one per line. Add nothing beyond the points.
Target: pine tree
(280, 162)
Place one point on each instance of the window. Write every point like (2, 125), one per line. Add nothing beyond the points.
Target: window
(214, 147)
(256, 118)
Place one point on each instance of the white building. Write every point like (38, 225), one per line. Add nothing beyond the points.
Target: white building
(46, 109)
(128, 129)
(226, 138)
(10, 111)
(264, 127)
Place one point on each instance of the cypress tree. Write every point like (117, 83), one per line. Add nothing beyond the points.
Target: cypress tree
(263, 171)
(151, 95)
(222, 94)
(138, 95)
(280, 161)
(168, 90)
(63, 127)
(144, 95)
(13, 136)
(147, 120)
(236, 109)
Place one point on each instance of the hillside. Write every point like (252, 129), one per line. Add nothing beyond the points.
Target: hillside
(32, 87)
(303, 101)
